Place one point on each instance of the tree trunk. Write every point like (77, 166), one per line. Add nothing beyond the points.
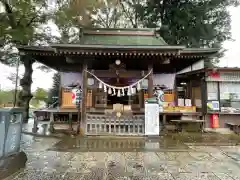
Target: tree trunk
(26, 83)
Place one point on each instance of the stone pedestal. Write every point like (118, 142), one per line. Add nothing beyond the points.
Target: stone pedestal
(11, 164)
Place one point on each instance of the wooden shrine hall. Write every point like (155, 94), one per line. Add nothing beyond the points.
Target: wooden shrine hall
(117, 69)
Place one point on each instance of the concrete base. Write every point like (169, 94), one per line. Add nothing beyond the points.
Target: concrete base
(219, 130)
(11, 164)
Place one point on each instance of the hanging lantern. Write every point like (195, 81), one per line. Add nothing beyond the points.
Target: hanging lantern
(129, 92)
(109, 90)
(114, 91)
(138, 86)
(105, 88)
(100, 85)
(123, 93)
(118, 93)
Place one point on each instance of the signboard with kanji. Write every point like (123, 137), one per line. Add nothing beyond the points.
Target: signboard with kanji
(76, 96)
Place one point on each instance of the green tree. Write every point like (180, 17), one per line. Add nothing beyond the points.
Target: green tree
(71, 16)
(40, 94)
(22, 24)
(204, 23)
(7, 96)
(53, 94)
(25, 23)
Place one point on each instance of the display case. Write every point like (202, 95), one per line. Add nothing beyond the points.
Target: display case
(229, 96)
(223, 94)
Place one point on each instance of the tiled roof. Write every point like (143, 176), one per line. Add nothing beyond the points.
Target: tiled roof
(129, 37)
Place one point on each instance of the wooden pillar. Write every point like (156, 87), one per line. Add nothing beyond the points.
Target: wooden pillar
(204, 95)
(129, 100)
(51, 124)
(189, 90)
(140, 99)
(150, 82)
(60, 92)
(84, 98)
(70, 121)
(175, 91)
(35, 123)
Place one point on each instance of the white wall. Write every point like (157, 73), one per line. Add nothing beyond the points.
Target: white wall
(68, 78)
(164, 79)
(196, 66)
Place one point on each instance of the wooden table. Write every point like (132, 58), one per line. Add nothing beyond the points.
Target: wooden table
(235, 126)
(165, 114)
(182, 121)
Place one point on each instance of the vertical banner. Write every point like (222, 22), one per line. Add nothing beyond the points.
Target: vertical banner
(151, 119)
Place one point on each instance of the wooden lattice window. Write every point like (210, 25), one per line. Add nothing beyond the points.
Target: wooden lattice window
(67, 98)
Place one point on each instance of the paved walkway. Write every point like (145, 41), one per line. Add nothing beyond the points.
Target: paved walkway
(104, 159)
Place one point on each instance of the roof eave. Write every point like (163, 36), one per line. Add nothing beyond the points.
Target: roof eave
(199, 50)
(35, 48)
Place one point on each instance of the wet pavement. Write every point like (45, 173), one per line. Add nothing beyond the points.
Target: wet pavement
(176, 157)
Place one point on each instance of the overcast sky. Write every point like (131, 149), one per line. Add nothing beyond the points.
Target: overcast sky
(44, 80)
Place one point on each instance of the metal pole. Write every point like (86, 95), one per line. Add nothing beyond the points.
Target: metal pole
(16, 84)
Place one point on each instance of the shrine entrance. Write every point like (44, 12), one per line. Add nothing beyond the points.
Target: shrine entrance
(122, 113)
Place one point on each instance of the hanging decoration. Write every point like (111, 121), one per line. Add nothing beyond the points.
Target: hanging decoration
(131, 89)
(123, 93)
(109, 91)
(105, 88)
(138, 86)
(119, 93)
(100, 85)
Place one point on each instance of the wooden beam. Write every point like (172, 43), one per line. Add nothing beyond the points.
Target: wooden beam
(122, 74)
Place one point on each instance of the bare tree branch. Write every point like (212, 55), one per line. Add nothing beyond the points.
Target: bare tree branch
(9, 11)
(127, 15)
(33, 18)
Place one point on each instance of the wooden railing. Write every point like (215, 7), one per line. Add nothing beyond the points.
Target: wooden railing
(105, 124)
